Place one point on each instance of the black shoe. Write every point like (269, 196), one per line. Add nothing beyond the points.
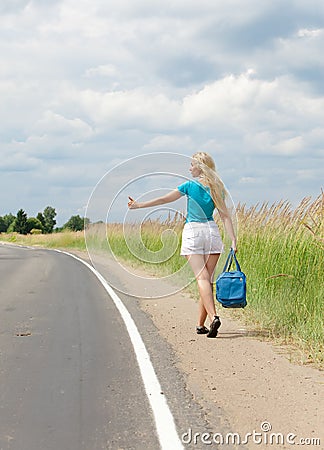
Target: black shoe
(216, 323)
(202, 330)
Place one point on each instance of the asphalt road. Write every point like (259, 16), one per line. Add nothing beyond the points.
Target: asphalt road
(68, 375)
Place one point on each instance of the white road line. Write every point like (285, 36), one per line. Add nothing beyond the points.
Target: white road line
(164, 422)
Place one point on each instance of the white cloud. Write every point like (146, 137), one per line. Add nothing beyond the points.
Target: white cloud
(305, 33)
(85, 83)
(57, 125)
(249, 180)
(8, 7)
(105, 70)
(239, 102)
(18, 162)
(128, 109)
(291, 146)
(222, 103)
(169, 143)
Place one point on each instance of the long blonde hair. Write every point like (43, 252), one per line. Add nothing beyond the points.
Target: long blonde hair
(210, 178)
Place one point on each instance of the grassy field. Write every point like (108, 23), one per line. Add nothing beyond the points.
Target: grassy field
(281, 250)
(67, 239)
(282, 253)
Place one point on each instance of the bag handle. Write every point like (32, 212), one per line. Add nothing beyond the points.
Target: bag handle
(229, 261)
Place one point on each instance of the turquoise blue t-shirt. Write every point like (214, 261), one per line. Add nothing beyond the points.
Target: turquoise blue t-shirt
(200, 205)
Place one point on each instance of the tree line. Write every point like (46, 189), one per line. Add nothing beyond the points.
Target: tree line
(44, 222)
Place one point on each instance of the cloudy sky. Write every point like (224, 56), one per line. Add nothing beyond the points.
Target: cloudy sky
(88, 84)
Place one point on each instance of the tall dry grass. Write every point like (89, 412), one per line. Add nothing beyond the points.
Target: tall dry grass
(282, 253)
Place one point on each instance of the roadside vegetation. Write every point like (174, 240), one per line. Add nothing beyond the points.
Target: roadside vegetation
(281, 250)
(282, 253)
(43, 223)
(22, 224)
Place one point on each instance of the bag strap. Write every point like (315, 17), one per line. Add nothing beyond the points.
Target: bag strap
(229, 261)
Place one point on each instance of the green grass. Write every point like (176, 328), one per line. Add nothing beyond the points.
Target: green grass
(281, 250)
(154, 246)
(67, 239)
(282, 254)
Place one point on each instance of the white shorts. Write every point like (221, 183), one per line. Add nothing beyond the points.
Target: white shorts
(201, 238)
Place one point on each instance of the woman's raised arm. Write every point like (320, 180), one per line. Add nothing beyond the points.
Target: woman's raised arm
(167, 198)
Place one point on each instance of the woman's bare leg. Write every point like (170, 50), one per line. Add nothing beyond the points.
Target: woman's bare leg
(199, 268)
(210, 262)
(202, 313)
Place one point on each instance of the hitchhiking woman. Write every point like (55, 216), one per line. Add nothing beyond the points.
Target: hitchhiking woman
(201, 240)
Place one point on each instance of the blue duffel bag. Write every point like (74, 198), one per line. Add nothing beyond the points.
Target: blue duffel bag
(231, 285)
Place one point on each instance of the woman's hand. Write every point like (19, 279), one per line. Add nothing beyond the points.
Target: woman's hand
(234, 246)
(132, 204)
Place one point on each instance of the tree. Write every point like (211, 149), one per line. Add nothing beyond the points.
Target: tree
(20, 224)
(49, 221)
(3, 227)
(33, 223)
(6, 221)
(40, 217)
(75, 223)
(11, 227)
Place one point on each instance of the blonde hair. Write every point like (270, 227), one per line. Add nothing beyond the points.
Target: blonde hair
(210, 178)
